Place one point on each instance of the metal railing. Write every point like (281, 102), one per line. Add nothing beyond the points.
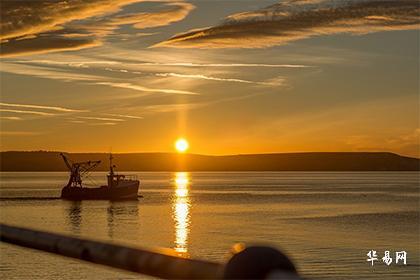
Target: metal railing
(250, 263)
(131, 177)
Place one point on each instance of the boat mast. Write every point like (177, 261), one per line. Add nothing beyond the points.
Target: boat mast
(111, 172)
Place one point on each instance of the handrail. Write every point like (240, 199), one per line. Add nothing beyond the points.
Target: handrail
(251, 263)
(131, 177)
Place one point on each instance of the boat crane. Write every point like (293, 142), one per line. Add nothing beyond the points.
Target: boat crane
(78, 170)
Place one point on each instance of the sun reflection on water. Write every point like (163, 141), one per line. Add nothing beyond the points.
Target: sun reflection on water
(181, 212)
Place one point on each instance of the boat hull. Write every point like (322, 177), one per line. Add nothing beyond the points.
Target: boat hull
(129, 192)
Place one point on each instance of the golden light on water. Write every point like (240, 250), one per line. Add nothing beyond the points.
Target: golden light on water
(181, 192)
(181, 212)
(181, 145)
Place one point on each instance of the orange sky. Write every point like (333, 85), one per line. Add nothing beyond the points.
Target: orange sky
(133, 76)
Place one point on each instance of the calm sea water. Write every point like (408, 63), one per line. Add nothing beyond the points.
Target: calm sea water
(325, 221)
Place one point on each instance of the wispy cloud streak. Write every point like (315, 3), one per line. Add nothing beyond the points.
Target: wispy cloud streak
(203, 77)
(40, 45)
(102, 123)
(46, 72)
(11, 118)
(292, 20)
(33, 27)
(188, 64)
(126, 116)
(101, 119)
(27, 112)
(132, 65)
(53, 108)
(146, 89)
(52, 73)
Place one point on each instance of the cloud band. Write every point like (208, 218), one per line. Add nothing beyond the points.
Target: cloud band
(293, 20)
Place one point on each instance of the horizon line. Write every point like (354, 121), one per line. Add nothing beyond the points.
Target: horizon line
(217, 155)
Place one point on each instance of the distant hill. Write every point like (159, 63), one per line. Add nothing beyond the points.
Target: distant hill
(51, 161)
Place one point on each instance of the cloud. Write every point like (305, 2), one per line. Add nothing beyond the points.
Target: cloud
(72, 63)
(76, 121)
(45, 72)
(146, 89)
(102, 123)
(80, 120)
(293, 20)
(101, 119)
(11, 118)
(27, 112)
(188, 64)
(55, 74)
(105, 26)
(40, 45)
(33, 27)
(53, 108)
(136, 65)
(277, 82)
(125, 116)
(22, 18)
(177, 11)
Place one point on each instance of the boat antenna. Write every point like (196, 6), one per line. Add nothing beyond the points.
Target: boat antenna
(111, 166)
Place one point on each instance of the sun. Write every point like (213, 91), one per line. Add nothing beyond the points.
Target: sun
(181, 145)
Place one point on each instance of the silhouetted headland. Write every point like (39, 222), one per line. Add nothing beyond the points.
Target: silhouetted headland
(316, 161)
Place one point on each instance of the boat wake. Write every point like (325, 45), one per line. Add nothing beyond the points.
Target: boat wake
(38, 198)
(29, 198)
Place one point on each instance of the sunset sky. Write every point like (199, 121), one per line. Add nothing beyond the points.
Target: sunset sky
(237, 76)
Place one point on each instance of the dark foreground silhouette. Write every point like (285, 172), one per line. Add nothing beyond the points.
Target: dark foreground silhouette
(363, 161)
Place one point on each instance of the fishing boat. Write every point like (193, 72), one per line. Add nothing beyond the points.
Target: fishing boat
(119, 187)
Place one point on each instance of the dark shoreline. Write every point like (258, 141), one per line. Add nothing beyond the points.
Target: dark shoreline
(315, 161)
